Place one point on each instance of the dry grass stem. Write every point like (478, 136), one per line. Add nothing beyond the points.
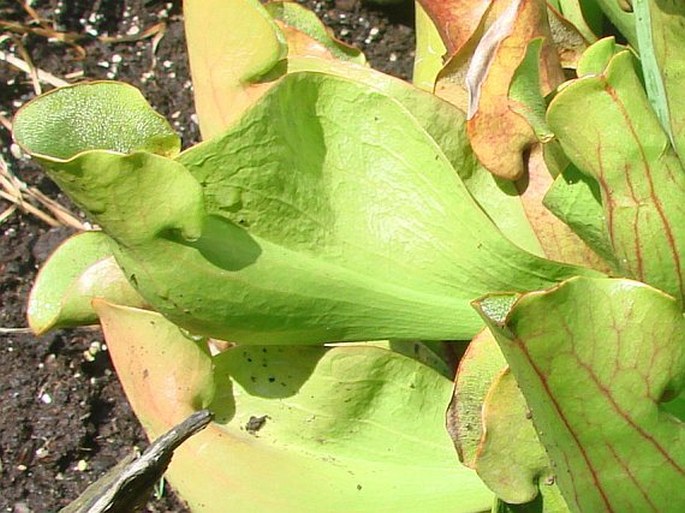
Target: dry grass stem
(30, 199)
(41, 75)
(9, 331)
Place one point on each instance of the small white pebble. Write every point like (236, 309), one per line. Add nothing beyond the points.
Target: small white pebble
(103, 64)
(82, 465)
(45, 398)
(133, 30)
(167, 64)
(116, 58)
(16, 152)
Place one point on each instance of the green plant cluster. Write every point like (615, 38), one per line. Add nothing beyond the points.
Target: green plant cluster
(338, 226)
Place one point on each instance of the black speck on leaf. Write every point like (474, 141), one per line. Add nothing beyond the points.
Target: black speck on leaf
(255, 423)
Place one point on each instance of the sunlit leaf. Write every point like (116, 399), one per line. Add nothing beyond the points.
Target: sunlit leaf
(79, 270)
(477, 371)
(229, 50)
(491, 427)
(297, 429)
(430, 51)
(582, 14)
(570, 39)
(456, 20)
(596, 359)
(525, 95)
(318, 40)
(110, 127)
(499, 135)
(620, 13)
(400, 257)
(660, 26)
(575, 198)
(596, 58)
(641, 179)
(558, 240)
(511, 460)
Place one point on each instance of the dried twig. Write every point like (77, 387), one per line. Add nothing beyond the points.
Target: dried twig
(33, 73)
(29, 199)
(155, 43)
(10, 331)
(7, 213)
(40, 74)
(5, 123)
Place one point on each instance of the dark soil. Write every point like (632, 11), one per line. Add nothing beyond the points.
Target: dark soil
(63, 417)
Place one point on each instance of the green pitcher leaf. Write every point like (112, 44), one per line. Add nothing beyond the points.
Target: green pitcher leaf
(570, 40)
(557, 239)
(400, 257)
(499, 198)
(489, 422)
(620, 13)
(500, 135)
(660, 28)
(641, 179)
(430, 51)
(405, 175)
(477, 370)
(511, 460)
(446, 125)
(232, 45)
(584, 15)
(93, 116)
(596, 360)
(80, 269)
(525, 94)
(302, 19)
(575, 198)
(596, 58)
(435, 354)
(297, 429)
(457, 21)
